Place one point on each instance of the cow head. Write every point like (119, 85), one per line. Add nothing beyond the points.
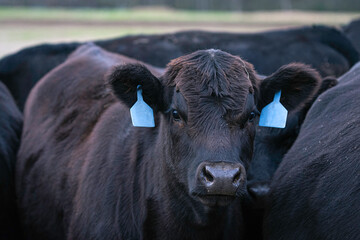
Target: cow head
(206, 108)
(271, 144)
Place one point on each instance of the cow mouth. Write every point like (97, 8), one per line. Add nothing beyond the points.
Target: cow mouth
(216, 200)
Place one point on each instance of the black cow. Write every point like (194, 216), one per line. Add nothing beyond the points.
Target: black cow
(315, 193)
(324, 48)
(84, 172)
(10, 131)
(352, 31)
(270, 146)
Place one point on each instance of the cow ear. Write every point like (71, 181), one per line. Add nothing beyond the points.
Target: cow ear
(327, 83)
(298, 84)
(124, 79)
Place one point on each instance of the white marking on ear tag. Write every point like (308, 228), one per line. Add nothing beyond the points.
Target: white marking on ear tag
(142, 114)
(274, 114)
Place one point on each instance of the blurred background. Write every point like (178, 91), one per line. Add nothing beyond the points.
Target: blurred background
(28, 22)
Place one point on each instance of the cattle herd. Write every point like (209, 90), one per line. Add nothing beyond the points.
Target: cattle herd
(72, 165)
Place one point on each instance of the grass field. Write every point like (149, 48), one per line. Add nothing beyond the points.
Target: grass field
(21, 27)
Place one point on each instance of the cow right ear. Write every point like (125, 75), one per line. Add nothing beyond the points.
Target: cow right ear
(298, 84)
(124, 79)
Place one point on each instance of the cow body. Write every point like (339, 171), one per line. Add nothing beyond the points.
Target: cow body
(352, 31)
(10, 131)
(316, 190)
(91, 175)
(324, 48)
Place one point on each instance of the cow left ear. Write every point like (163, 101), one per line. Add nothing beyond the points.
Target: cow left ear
(124, 80)
(298, 84)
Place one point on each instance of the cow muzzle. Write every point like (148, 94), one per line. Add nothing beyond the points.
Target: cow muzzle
(217, 183)
(258, 192)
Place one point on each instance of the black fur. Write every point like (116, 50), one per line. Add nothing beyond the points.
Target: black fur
(270, 146)
(91, 175)
(124, 80)
(315, 192)
(293, 89)
(10, 131)
(352, 31)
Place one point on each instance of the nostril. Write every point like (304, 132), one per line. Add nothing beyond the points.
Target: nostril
(236, 179)
(207, 175)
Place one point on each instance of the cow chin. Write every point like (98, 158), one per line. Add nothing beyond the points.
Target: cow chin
(216, 200)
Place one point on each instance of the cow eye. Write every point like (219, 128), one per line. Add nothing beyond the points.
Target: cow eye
(176, 115)
(252, 116)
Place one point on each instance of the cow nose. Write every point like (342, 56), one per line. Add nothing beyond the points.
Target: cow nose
(259, 192)
(221, 178)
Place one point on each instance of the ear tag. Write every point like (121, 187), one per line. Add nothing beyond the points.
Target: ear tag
(274, 114)
(142, 114)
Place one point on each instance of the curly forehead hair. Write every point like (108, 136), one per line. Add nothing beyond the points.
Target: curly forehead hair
(213, 83)
(213, 72)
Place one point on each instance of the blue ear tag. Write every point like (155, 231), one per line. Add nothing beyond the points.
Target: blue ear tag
(142, 114)
(274, 114)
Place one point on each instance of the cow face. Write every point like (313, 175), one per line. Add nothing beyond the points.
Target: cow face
(207, 103)
(211, 121)
(271, 144)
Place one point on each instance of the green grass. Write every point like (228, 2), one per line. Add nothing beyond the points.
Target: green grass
(111, 15)
(21, 27)
(168, 15)
(69, 32)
